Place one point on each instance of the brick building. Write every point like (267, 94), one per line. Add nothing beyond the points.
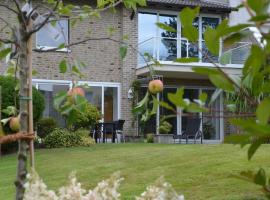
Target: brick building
(110, 78)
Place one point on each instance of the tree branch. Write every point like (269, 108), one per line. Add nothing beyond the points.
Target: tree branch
(45, 21)
(7, 7)
(20, 11)
(7, 24)
(93, 39)
(7, 41)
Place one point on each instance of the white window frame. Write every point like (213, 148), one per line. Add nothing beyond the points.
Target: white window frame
(38, 82)
(179, 38)
(49, 47)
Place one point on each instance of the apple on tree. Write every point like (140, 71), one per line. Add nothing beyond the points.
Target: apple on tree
(73, 92)
(155, 86)
(14, 124)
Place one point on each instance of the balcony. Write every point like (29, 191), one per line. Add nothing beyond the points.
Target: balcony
(166, 50)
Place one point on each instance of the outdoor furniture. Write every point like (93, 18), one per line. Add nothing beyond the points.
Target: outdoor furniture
(97, 132)
(192, 131)
(108, 128)
(119, 124)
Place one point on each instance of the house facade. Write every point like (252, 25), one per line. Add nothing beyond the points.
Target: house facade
(110, 78)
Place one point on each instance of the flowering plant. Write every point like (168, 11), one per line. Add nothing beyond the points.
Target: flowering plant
(35, 188)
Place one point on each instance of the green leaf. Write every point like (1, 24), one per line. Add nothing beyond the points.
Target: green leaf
(187, 16)
(203, 96)
(218, 78)
(263, 111)
(191, 33)
(226, 30)
(123, 51)
(140, 106)
(165, 105)
(253, 64)
(177, 98)
(260, 178)
(253, 148)
(225, 58)
(195, 108)
(212, 40)
(259, 6)
(166, 27)
(4, 53)
(10, 111)
(221, 81)
(61, 46)
(59, 99)
(63, 66)
(187, 60)
(75, 69)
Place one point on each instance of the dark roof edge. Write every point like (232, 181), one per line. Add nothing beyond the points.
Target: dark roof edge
(217, 6)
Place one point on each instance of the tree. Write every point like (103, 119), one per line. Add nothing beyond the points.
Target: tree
(30, 19)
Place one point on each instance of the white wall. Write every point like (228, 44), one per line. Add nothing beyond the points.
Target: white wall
(240, 16)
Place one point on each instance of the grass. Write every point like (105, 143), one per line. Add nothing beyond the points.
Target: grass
(197, 171)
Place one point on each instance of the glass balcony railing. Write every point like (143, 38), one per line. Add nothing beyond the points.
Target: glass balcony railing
(168, 49)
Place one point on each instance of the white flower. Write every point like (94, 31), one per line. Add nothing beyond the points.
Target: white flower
(35, 189)
(161, 190)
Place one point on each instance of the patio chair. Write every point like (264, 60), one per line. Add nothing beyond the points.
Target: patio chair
(192, 131)
(119, 124)
(97, 132)
(108, 129)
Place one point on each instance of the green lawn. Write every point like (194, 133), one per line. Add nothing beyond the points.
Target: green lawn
(197, 171)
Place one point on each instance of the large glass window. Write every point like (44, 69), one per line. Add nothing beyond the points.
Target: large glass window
(94, 96)
(49, 91)
(211, 120)
(104, 97)
(168, 40)
(167, 46)
(53, 36)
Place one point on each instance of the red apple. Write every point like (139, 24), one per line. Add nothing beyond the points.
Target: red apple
(73, 92)
(155, 86)
(76, 91)
(14, 124)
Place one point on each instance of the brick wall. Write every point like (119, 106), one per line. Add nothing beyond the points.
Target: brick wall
(101, 57)
(129, 66)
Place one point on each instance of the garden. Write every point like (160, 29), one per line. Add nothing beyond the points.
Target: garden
(67, 164)
(196, 171)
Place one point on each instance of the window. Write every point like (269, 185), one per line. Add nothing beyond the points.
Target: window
(105, 96)
(53, 36)
(167, 46)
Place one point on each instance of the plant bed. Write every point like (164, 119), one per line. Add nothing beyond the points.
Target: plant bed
(163, 138)
(134, 139)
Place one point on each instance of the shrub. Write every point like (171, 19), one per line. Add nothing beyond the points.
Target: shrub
(46, 126)
(88, 118)
(150, 138)
(60, 137)
(165, 127)
(86, 140)
(9, 95)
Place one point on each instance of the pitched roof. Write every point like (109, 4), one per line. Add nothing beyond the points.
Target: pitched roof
(193, 3)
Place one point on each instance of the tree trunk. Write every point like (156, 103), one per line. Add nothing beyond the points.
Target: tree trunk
(23, 144)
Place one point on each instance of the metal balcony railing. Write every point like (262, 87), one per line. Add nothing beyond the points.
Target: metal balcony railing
(168, 49)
